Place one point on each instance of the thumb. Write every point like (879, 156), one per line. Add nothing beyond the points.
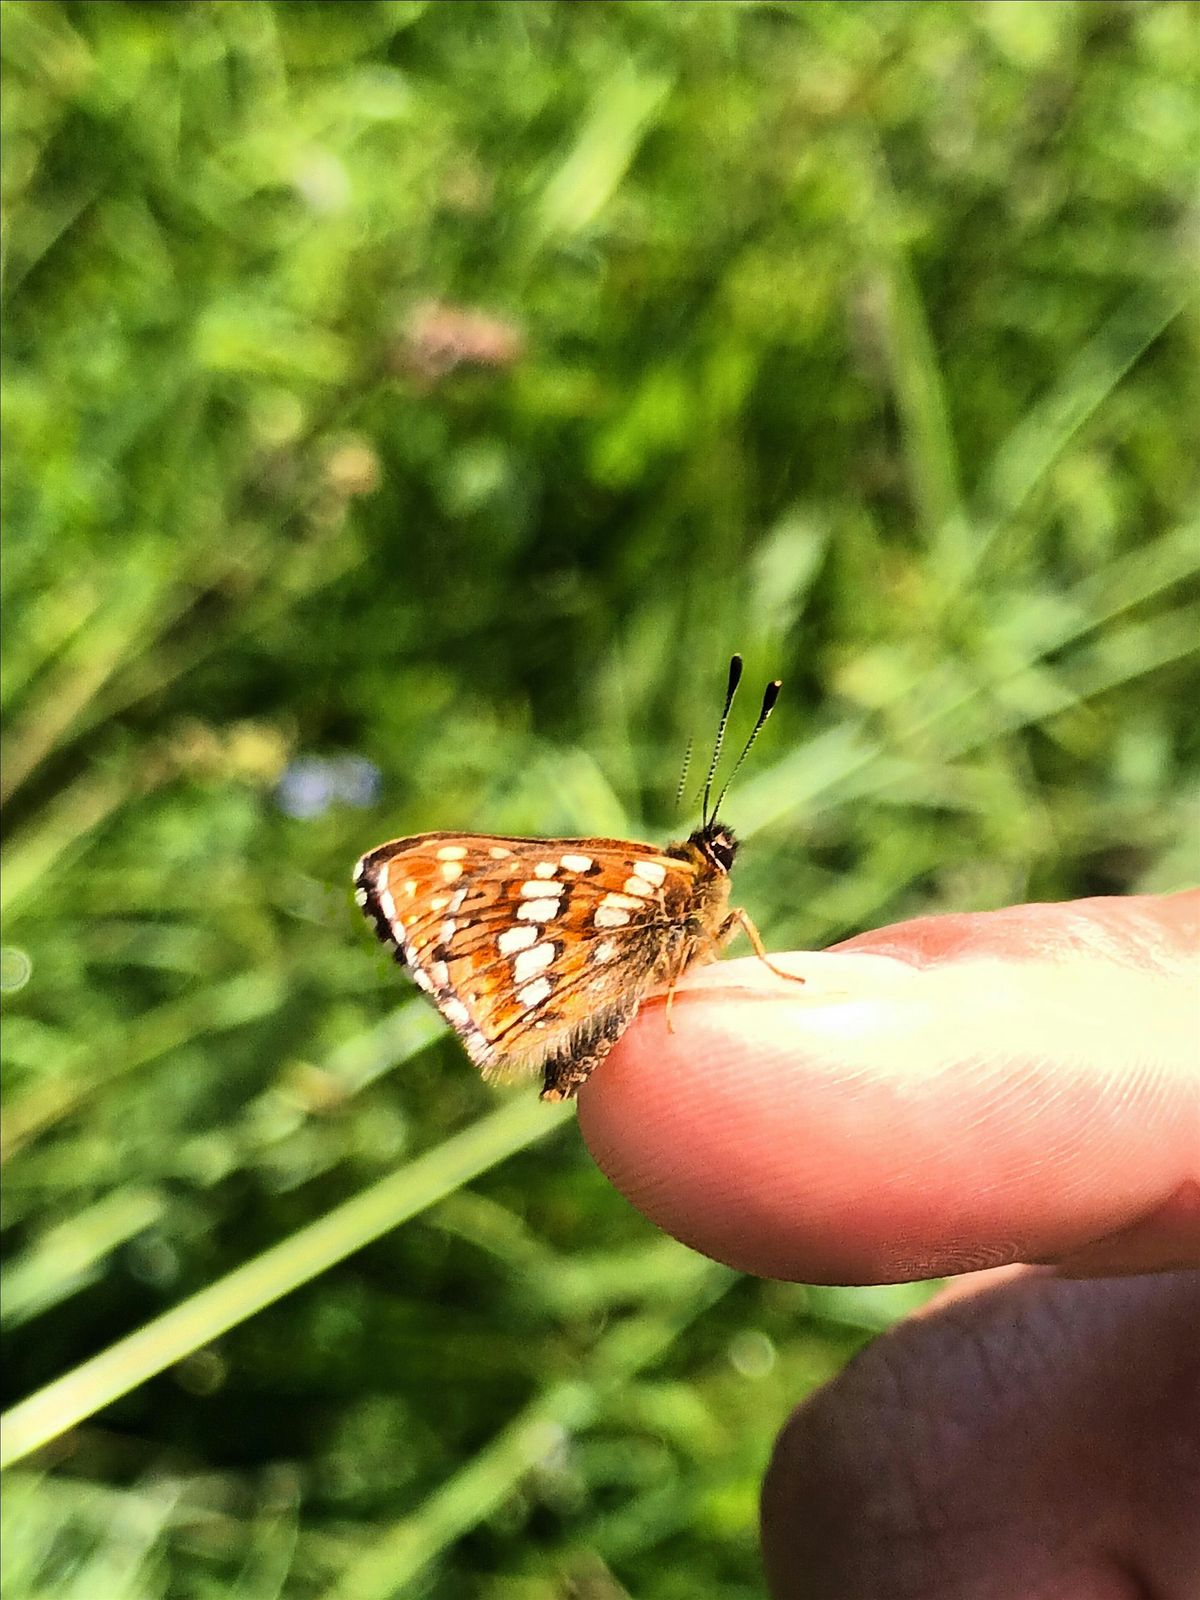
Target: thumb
(943, 1095)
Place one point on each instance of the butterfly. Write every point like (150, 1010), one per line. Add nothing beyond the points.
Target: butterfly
(537, 952)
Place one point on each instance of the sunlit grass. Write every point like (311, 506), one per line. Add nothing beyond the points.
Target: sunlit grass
(453, 389)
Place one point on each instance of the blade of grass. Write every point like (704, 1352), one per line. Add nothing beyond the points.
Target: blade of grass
(1023, 459)
(916, 376)
(79, 1394)
(74, 813)
(52, 622)
(622, 111)
(100, 649)
(413, 1544)
(65, 1258)
(847, 761)
(100, 1061)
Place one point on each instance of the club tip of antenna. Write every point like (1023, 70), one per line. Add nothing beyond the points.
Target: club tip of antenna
(735, 672)
(770, 695)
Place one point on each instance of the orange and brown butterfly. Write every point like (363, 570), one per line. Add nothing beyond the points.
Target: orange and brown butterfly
(538, 951)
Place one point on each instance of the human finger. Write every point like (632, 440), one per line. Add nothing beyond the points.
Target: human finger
(943, 1095)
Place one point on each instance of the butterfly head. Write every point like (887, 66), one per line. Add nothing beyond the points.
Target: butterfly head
(716, 844)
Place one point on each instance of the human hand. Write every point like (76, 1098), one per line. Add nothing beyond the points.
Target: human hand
(942, 1096)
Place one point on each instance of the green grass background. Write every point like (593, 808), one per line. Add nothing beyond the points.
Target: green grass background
(861, 338)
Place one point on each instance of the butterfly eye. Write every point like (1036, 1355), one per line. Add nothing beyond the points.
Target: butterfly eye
(722, 847)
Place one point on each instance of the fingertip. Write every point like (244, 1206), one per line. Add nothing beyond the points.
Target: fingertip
(971, 1102)
(725, 1135)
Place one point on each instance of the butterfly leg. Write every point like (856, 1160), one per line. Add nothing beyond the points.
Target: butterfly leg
(699, 946)
(738, 918)
(670, 1003)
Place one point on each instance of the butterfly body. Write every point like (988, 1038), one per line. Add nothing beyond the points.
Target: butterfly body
(538, 951)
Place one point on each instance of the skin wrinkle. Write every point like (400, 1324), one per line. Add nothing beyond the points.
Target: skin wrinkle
(899, 1520)
(903, 1411)
(1001, 1438)
(1167, 1236)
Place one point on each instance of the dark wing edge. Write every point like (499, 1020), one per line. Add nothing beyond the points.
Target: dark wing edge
(367, 898)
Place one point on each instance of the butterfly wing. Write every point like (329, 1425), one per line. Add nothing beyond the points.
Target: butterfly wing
(535, 951)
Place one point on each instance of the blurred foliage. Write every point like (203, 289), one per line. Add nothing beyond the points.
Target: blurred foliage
(407, 408)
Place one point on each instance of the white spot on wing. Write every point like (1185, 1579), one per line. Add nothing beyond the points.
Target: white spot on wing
(604, 951)
(576, 863)
(410, 887)
(532, 961)
(610, 917)
(534, 993)
(622, 902)
(545, 869)
(360, 896)
(654, 870)
(639, 886)
(451, 870)
(499, 853)
(514, 939)
(447, 930)
(386, 904)
(477, 1047)
(538, 910)
(535, 888)
(451, 852)
(440, 974)
(422, 981)
(455, 1012)
(457, 900)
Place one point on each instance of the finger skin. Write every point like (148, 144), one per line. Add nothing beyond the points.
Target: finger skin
(1027, 1436)
(943, 1095)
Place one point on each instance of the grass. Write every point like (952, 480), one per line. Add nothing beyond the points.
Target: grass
(407, 410)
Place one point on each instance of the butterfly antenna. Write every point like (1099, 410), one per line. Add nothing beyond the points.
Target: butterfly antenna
(735, 677)
(687, 761)
(770, 695)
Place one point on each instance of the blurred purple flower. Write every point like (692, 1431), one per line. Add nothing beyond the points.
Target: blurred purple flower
(357, 781)
(311, 784)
